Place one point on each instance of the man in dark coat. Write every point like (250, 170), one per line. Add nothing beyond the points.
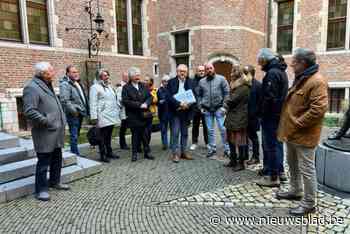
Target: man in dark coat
(181, 113)
(198, 116)
(75, 104)
(253, 113)
(137, 100)
(163, 110)
(274, 90)
(43, 109)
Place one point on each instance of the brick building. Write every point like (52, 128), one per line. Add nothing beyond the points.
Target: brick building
(156, 35)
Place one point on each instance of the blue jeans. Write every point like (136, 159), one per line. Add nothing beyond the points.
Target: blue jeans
(164, 125)
(272, 148)
(178, 125)
(74, 124)
(220, 119)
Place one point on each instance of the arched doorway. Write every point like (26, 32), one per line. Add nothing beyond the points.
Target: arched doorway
(223, 63)
(223, 68)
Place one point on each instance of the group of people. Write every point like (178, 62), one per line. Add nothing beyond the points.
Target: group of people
(238, 104)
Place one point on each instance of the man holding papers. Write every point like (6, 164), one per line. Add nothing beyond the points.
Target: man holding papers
(181, 100)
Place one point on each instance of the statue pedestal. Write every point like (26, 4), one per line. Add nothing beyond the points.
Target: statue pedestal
(333, 165)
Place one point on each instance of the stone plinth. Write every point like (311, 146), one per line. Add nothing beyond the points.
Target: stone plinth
(333, 168)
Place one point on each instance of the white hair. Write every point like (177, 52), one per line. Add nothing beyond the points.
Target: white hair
(133, 71)
(100, 71)
(165, 77)
(266, 54)
(41, 67)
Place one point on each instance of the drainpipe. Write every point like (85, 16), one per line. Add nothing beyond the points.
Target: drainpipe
(1, 119)
(268, 23)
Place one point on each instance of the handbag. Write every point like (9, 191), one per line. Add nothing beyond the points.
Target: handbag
(93, 136)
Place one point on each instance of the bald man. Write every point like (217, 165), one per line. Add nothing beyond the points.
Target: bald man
(213, 90)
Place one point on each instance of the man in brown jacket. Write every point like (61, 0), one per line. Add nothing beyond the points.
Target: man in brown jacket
(300, 127)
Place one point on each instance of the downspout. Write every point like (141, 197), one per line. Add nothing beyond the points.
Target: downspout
(1, 119)
(268, 23)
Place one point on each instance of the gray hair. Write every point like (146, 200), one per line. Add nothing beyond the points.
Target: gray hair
(41, 67)
(266, 54)
(306, 55)
(182, 66)
(133, 71)
(166, 77)
(100, 71)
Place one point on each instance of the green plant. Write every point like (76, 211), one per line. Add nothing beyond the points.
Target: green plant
(332, 121)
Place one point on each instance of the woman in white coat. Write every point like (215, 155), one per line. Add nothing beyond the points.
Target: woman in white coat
(104, 112)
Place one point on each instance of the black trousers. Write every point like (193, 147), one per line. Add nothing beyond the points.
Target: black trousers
(139, 135)
(122, 132)
(253, 136)
(197, 117)
(46, 160)
(106, 141)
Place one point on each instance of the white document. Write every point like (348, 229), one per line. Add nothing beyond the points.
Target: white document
(186, 96)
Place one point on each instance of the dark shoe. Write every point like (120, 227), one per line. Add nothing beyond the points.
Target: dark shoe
(226, 154)
(301, 211)
(165, 147)
(113, 156)
(283, 177)
(335, 136)
(125, 147)
(105, 159)
(43, 196)
(288, 196)
(261, 172)
(253, 161)
(186, 156)
(60, 186)
(239, 167)
(176, 158)
(149, 157)
(134, 158)
(210, 154)
(269, 181)
(231, 163)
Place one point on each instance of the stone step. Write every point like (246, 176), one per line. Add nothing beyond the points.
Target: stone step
(24, 151)
(21, 169)
(8, 141)
(23, 187)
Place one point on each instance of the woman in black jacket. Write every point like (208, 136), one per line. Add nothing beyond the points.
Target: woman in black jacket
(137, 100)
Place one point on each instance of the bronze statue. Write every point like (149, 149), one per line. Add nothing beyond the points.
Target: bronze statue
(339, 140)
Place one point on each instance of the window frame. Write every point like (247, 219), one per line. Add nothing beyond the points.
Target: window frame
(24, 27)
(130, 28)
(284, 28)
(338, 19)
(180, 55)
(20, 40)
(48, 26)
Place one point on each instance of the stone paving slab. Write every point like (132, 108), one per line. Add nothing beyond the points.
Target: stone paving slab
(8, 141)
(161, 197)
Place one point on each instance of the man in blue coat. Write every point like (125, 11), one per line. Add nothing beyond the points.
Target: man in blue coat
(181, 113)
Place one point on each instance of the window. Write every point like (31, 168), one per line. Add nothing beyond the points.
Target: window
(336, 24)
(12, 13)
(122, 27)
(285, 27)
(37, 22)
(137, 27)
(335, 99)
(10, 27)
(129, 29)
(182, 54)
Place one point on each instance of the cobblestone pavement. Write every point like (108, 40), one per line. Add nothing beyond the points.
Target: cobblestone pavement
(199, 196)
